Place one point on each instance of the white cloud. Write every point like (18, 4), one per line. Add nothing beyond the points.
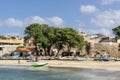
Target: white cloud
(109, 19)
(51, 21)
(105, 31)
(89, 31)
(80, 25)
(105, 2)
(13, 34)
(56, 21)
(34, 19)
(13, 22)
(88, 9)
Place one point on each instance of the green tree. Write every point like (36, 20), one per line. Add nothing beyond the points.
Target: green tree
(34, 31)
(87, 48)
(21, 47)
(49, 36)
(73, 40)
(59, 39)
(42, 34)
(3, 37)
(48, 32)
(80, 42)
(116, 31)
(70, 38)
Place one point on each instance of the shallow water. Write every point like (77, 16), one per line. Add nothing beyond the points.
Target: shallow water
(27, 73)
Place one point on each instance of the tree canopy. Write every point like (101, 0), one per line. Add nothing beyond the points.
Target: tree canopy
(3, 37)
(116, 31)
(49, 36)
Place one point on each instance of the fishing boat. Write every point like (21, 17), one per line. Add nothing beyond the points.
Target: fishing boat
(39, 64)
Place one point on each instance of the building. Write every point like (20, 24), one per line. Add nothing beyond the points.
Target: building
(99, 42)
(9, 44)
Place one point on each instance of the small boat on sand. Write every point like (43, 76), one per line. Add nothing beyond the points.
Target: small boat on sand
(39, 64)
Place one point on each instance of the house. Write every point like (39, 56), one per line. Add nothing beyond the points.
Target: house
(9, 44)
(108, 40)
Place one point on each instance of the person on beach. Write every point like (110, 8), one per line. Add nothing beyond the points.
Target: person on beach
(18, 60)
(104, 56)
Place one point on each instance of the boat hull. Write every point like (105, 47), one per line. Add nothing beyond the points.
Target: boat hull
(39, 65)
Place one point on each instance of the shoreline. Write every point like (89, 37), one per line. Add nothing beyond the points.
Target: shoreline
(109, 65)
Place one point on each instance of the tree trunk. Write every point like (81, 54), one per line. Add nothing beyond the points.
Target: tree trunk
(69, 48)
(49, 50)
(45, 49)
(58, 52)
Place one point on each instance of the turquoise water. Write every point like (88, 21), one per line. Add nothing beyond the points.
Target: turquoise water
(25, 73)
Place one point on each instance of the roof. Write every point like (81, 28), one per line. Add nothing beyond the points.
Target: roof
(25, 50)
(107, 39)
(11, 41)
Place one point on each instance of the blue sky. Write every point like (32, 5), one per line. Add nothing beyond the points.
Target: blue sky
(90, 16)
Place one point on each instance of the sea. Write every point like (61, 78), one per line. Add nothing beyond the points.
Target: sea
(45, 73)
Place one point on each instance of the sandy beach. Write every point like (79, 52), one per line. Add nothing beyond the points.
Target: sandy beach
(110, 65)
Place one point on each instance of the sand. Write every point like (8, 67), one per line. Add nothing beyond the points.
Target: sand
(109, 65)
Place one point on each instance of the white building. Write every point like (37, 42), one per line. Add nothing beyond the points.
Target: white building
(9, 45)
